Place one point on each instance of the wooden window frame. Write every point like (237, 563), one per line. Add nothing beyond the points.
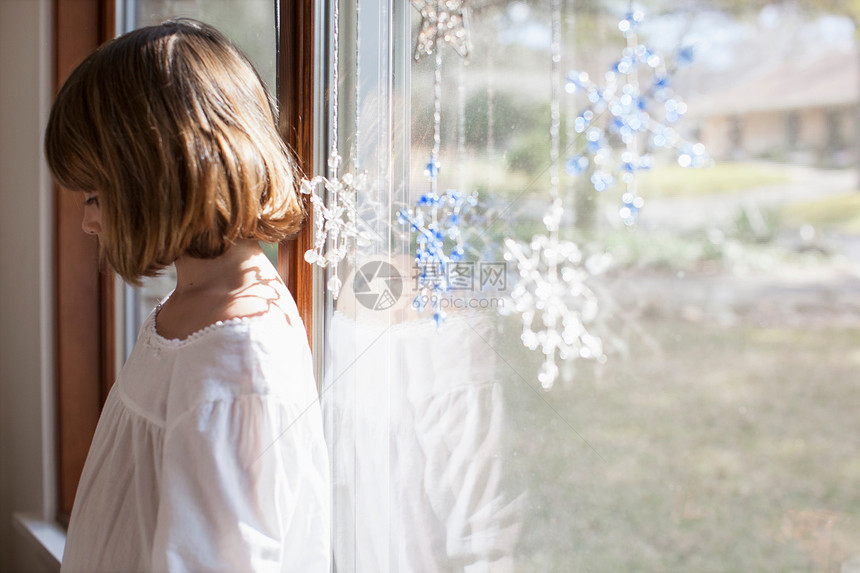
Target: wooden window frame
(295, 29)
(85, 333)
(83, 296)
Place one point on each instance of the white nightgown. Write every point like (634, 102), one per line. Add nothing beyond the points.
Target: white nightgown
(208, 456)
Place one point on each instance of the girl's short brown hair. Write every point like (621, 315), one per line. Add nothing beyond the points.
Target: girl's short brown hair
(172, 126)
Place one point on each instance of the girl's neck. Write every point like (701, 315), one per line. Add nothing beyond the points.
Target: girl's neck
(229, 272)
(241, 282)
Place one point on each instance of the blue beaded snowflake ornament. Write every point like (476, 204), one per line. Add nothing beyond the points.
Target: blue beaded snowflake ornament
(436, 222)
(637, 110)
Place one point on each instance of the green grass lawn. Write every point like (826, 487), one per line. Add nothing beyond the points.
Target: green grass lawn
(699, 447)
(675, 181)
(708, 449)
(840, 213)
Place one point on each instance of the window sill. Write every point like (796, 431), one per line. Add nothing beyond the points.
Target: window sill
(47, 537)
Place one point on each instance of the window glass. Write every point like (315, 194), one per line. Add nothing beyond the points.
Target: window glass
(251, 25)
(248, 23)
(714, 427)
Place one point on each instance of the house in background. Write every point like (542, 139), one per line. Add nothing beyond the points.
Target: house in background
(803, 111)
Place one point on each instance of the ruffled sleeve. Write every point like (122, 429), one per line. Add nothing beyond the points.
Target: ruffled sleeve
(244, 487)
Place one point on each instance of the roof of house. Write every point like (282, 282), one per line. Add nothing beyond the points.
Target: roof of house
(824, 82)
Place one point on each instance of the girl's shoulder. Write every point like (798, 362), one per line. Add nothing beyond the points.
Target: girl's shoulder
(184, 316)
(254, 311)
(263, 354)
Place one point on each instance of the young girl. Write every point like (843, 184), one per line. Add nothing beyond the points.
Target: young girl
(209, 454)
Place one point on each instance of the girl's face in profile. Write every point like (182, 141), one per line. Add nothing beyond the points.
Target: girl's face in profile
(92, 221)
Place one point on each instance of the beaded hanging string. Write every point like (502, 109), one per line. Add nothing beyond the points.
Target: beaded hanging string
(461, 124)
(480, 242)
(436, 218)
(570, 110)
(334, 158)
(552, 219)
(334, 198)
(491, 112)
(552, 296)
(631, 202)
(357, 131)
(432, 169)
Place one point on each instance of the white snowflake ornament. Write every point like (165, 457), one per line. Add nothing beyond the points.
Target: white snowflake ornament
(336, 224)
(557, 306)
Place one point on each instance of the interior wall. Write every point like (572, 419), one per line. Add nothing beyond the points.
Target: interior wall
(26, 376)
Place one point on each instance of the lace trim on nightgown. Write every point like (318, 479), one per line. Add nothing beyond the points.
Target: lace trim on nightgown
(156, 339)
